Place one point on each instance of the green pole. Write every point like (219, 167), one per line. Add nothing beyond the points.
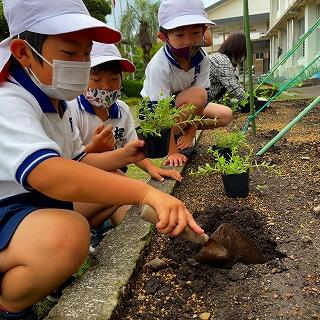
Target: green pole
(249, 60)
(311, 106)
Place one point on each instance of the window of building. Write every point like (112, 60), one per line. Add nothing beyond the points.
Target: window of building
(301, 30)
(259, 55)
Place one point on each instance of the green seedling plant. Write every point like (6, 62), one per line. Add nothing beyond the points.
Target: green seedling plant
(231, 140)
(229, 101)
(163, 116)
(265, 94)
(238, 163)
(244, 101)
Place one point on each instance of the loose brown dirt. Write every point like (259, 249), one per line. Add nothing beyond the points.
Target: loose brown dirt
(278, 215)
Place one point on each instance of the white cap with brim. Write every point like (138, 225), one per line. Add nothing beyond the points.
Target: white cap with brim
(51, 17)
(102, 53)
(178, 13)
(185, 21)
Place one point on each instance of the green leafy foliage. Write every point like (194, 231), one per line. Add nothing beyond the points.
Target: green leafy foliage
(237, 164)
(98, 8)
(231, 140)
(265, 91)
(230, 101)
(164, 115)
(4, 30)
(139, 25)
(131, 88)
(241, 158)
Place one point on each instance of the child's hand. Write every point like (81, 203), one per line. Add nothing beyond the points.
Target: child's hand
(103, 139)
(172, 213)
(176, 159)
(133, 151)
(159, 174)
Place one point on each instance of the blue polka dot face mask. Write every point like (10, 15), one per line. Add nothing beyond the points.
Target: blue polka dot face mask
(69, 78)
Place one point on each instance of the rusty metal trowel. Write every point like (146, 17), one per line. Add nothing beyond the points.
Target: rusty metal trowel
(224, 248)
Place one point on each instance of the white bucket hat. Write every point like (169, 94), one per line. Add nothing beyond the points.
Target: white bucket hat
(102, 52)
(51, 17)
(177, 13)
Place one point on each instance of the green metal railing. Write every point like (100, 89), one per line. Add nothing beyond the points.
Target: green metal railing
(311, 106)
(271, 77)
(309, 71)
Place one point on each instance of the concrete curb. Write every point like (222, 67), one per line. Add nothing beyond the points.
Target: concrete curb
(96, 295)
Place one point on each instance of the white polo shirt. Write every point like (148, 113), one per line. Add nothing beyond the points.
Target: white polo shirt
(164, 76)
(87, 121)
(31, 131)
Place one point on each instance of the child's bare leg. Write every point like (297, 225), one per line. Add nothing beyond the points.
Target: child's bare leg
(97, 213)
(221, 113)
(118, 216)
(48, 247)
(198, 98)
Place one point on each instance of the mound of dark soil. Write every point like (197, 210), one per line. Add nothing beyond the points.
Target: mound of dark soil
(278, 215)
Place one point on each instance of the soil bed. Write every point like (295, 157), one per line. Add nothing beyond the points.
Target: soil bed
(278, 215)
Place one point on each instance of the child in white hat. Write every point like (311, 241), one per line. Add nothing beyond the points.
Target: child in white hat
(181, 68)
(104, 121)
(50, 189)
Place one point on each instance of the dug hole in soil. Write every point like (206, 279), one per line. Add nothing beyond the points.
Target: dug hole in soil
(279, 215)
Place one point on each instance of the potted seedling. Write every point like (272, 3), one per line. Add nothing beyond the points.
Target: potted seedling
(259, 102)
(156, 121)
(229, 101)
(235, 171)
(226, 141)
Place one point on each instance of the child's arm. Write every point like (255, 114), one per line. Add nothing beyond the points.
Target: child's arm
(112, 160)
(158, 173)
(69, 180)
(102, 140)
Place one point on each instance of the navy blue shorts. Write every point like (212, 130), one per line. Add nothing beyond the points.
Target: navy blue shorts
(14, 209)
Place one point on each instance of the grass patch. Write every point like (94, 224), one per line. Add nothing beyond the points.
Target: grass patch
(84, 268)
(137, 173)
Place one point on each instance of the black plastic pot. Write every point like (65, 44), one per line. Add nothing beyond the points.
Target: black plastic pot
(155, 146)
(236, 185)
(258, 104)
(225, 152)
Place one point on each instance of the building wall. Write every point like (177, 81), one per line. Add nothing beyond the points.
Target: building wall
(234, 8)
(285, 31)
(277, 8)
(220, 32)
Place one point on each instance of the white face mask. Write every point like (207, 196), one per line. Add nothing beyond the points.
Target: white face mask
(102, 98)
(69, 78)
